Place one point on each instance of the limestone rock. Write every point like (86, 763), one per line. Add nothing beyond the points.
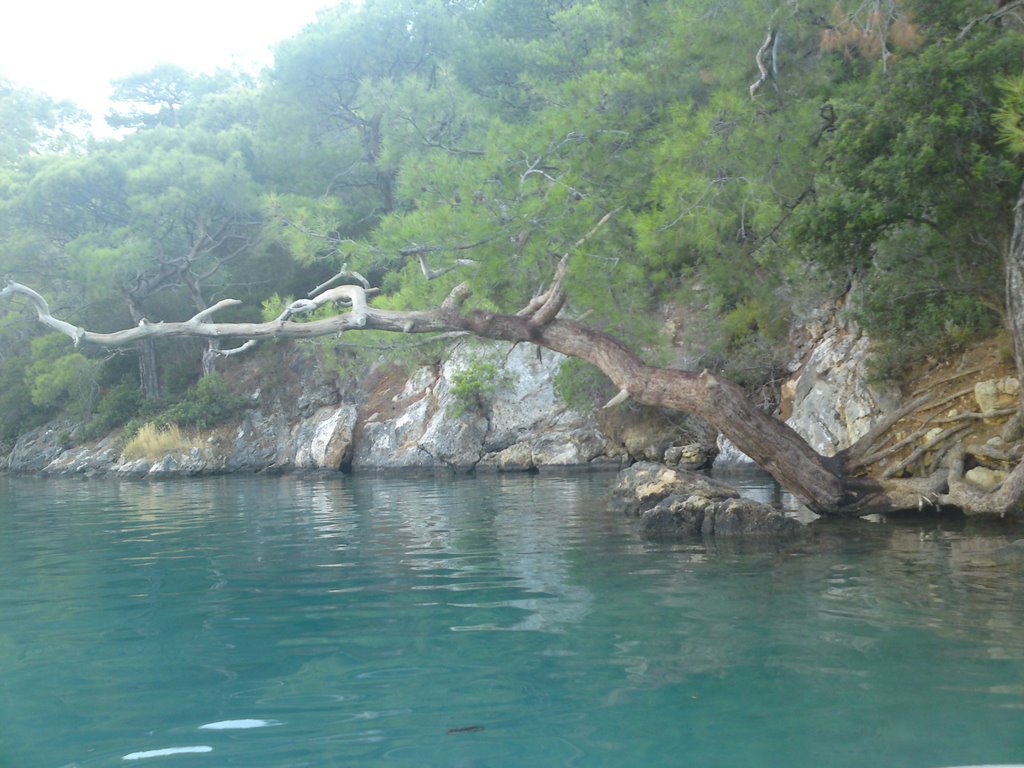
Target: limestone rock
(524, 426)
(674, 503)
(323, 440)
(692, 456)
(984, 478)
(682, 517)
(299, 420)
(835, 402)
(37, 449)
(641, 486)
(994, 394)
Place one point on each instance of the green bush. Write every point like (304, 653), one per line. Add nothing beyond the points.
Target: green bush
(209, 403)
(117, 405)
(62, 379)
(581, 385)
(17, 412)
(474, 386)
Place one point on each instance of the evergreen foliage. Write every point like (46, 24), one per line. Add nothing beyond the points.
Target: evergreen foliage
(475, 386)
(481, 141)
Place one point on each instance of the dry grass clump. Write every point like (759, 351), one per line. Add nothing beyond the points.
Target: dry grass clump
(153, 442)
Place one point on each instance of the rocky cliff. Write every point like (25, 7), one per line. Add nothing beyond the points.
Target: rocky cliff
(302, 418)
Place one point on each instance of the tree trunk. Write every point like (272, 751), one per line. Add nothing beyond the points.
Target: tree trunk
(149, 376)
(1015, 287)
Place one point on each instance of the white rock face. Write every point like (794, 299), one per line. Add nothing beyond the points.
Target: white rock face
(322, 440)
(523, 426)
(834, 402)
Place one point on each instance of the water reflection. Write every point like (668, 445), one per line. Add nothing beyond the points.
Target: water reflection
(370, 619)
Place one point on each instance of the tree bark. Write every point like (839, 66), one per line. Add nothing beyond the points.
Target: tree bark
(149, 375)
(1015, 286)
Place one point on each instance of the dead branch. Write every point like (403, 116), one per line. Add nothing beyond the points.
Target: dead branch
(923, 449)
(544, 307)
(1012, 8)
(341, 275)
(766, 74)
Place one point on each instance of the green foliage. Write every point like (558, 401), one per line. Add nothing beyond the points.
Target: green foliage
(475, 386)
(17, 411)
(31, 123)
(482, 141)
(1009, 118)
(206, 405)
(209, 403)
(117, 406)
(58, 378)
(582, 386)
(918, 194)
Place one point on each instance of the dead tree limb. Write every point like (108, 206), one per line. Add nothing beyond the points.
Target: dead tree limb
(1015, 8)
(766, 71)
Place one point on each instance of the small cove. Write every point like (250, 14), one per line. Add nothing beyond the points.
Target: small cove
(497, 620)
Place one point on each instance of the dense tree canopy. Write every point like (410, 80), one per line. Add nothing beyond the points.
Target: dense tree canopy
(745, 158)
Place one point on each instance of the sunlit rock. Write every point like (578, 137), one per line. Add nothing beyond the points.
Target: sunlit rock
(993, 394)
(984, 478)
(835, 401)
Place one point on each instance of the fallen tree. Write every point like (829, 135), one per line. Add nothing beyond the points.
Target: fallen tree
(827, 485)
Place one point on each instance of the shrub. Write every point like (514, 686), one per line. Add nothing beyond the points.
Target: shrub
(17, 413)
(474, 386)
(117, 406)
(206, 405)
(68, 381)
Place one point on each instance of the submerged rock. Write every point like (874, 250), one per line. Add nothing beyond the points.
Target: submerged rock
(696, 516)
(675, 503)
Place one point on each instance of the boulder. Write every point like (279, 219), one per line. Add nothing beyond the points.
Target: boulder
(37, 449)
(984, 478)
(682, 517)
(641, 486)
(993, 394)
(675, 503)
(324, 439)
(692, 456)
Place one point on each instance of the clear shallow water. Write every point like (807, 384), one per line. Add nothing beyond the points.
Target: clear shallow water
(485, 621)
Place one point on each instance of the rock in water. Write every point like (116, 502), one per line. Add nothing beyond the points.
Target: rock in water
(674, 503)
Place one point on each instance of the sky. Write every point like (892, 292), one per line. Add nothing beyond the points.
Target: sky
(72, 49)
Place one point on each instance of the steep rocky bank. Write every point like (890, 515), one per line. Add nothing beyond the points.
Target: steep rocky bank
(303, 418)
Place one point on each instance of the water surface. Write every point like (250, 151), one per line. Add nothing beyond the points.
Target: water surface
(486, 621)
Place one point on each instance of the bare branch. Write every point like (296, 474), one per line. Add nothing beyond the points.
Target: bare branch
(204, 315)
(766, 74)
(342, 274)
(544, 308)
(432, 274)
(1013, 8)
(43, 311)
(621, 397)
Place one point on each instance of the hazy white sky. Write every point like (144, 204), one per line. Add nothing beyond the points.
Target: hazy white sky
(72, 49)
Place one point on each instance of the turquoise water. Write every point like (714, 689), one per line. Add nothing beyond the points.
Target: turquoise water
(485, 621)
